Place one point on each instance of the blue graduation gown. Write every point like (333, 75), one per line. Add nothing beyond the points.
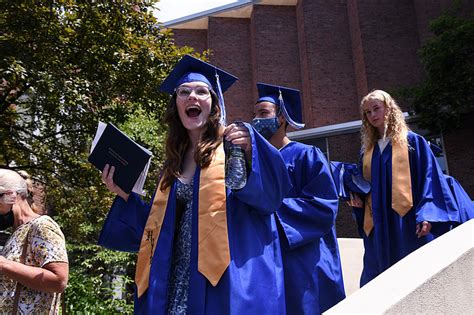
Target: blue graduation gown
(464, 202)
(393, 237)
(311, 262)
(253, 282)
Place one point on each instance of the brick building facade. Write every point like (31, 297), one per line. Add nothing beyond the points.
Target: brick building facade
(334, 52)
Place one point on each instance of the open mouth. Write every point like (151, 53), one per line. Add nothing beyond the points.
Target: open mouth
(193, 111)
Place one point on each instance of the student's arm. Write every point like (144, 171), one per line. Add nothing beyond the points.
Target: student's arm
(312, 214)
(268, 181)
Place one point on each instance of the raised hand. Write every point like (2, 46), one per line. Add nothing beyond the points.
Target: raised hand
(108, 180)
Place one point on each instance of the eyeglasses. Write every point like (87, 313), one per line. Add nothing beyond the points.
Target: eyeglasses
(201, 92)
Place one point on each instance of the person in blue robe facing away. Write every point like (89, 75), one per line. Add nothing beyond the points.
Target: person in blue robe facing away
(410, 202)
(306, 218)
(203, 248)
(463, 200)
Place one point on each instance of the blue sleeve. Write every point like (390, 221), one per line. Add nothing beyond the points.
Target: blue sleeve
(312, 213)
(124, 225)
(432, 198)
(268, 181)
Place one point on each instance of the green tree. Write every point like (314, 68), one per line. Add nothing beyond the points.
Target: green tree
(65, 65)
(448, 60)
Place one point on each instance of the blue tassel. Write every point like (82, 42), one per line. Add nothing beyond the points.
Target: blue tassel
(293, 123)
(220, 95)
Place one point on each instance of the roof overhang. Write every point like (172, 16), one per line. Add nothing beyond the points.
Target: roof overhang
(241, 9)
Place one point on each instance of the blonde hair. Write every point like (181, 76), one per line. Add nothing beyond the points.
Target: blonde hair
(396, 128)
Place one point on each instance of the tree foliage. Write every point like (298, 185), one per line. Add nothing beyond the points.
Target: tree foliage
(448, 60)
(65, 65)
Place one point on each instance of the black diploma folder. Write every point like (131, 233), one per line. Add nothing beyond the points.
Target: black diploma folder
(117, 149)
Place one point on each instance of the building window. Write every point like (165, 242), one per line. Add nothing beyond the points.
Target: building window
(437, 144)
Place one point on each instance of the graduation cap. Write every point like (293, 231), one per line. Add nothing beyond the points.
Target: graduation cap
(190, 69)
(348, 178)
(289, 101)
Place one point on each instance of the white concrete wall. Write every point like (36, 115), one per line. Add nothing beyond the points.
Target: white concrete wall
(448, 292)
(436, 279)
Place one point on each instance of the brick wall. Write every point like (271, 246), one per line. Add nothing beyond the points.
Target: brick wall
(275, 49)
(333, 51)
(329, 69)
(389, 42)
(229, 42)
(360, 74)
(192, 38)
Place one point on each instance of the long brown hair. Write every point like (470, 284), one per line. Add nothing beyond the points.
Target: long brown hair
(177, 140)
(395, 125)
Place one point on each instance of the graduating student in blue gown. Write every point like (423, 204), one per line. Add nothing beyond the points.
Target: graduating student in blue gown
(410, 202)
(203, 248)
(311, 262)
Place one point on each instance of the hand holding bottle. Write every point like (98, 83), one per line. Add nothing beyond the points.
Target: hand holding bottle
(238, 134)
(238, 148)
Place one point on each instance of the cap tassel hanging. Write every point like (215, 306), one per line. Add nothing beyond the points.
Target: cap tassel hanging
(293, 123)
(220, 95)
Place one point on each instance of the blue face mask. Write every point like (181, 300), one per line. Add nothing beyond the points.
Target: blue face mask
(266, 126)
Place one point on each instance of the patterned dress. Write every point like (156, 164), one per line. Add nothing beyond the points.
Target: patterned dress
(179, 278)
(46, 244)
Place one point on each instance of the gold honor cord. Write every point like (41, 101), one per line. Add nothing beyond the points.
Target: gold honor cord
(213, 241)
(402, 199)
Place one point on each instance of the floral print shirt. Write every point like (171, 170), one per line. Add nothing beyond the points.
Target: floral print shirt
(46, 244)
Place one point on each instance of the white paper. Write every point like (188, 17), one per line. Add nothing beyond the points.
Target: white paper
(98, 134)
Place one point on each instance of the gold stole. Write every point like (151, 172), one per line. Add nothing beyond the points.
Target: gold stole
(402, 199)
(213, 241)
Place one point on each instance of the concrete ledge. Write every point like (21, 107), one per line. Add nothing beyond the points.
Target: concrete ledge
(438, 278)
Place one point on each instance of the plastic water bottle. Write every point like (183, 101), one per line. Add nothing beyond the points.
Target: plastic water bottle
(235, 168)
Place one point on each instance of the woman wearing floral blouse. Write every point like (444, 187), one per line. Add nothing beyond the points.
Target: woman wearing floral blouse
(33, 263)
